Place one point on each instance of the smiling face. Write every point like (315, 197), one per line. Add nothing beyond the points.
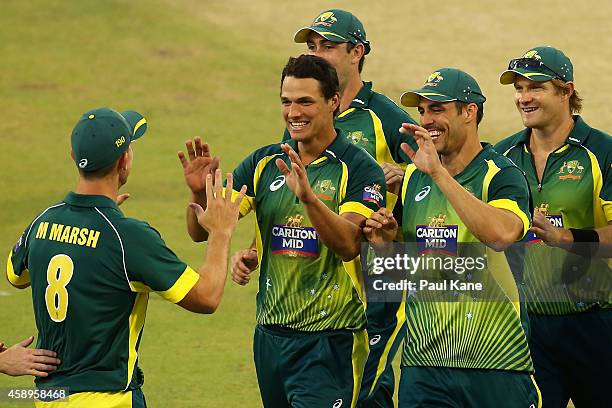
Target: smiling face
(306, 112)
(539, 103)
(446, 125)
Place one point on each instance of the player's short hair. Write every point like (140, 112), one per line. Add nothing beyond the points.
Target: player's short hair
(575, 101)
(349, 48)
(462, 105)
(311, 66)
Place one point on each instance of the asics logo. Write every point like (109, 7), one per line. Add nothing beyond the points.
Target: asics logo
(83, 163)
(338, 403)
(423, 193)
(374, 340)
(277, 183)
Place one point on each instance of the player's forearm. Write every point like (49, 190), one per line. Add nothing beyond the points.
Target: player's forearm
(335, 232)
(605, 241)
(214, 270)
(194, 229)
(492, 226)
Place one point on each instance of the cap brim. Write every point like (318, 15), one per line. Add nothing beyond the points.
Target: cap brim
(301, 36)
(412, 98)
(508, 76)
(137, 122)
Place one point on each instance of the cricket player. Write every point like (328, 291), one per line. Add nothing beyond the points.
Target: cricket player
(21, 360)
(311, 197)
(464, 347)
(371, 121)
(568, 279)
(91, 268)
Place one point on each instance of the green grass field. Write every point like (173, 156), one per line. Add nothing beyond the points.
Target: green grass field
(212, 68)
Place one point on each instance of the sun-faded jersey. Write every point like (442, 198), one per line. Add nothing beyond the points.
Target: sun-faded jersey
(91, 270)
(372, 122)
(575, 192)
(303, 285)
(480, 329)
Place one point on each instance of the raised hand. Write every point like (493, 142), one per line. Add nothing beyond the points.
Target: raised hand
(296, 177)
(199, 164)
(394, 175)
(221, 214)
(426, 158)
(243, 263)
(381, 227)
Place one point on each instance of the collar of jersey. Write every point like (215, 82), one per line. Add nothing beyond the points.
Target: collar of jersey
(362, 99)
(334, 151)
(577, 136)
(479, 158)
(87, 200)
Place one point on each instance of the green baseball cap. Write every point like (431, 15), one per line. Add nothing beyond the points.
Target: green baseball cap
(335, 25)
(446, 85)
(539, 64)
(102, 135)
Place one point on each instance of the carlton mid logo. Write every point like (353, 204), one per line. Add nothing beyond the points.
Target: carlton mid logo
(437, 237)
(326, 19)
(434, 79)
(292, 239)
(532, 54)
(571, 170)
(373, 194)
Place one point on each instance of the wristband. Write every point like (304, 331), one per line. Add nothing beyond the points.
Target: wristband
(586, 242)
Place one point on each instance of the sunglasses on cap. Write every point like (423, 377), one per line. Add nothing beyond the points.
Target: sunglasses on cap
(532, 63)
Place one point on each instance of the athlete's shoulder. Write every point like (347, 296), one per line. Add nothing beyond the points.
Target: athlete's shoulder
(387, 110)
(268, 150)
(500, 160)
(598, 141)
(511, 141)
(356, 157)
(133, 229)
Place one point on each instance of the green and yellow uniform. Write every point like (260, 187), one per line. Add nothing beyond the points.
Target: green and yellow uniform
(372, 122)
(465, 331)
(306, 292)
(569, 297)
(91, 270)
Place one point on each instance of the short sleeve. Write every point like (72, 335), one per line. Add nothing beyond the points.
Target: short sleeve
(246, 173)
(509, 190)
(365, 186)
(152, 266)
(16, 265)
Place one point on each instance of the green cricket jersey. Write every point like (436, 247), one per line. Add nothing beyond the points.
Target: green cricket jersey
(575, 192)
(476, 329)
(372, 122)
(91, 270)
(302, 284)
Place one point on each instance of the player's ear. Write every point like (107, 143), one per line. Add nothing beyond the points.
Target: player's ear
(72, 154)
(122, 162)
(568, 90)
(471, 112)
